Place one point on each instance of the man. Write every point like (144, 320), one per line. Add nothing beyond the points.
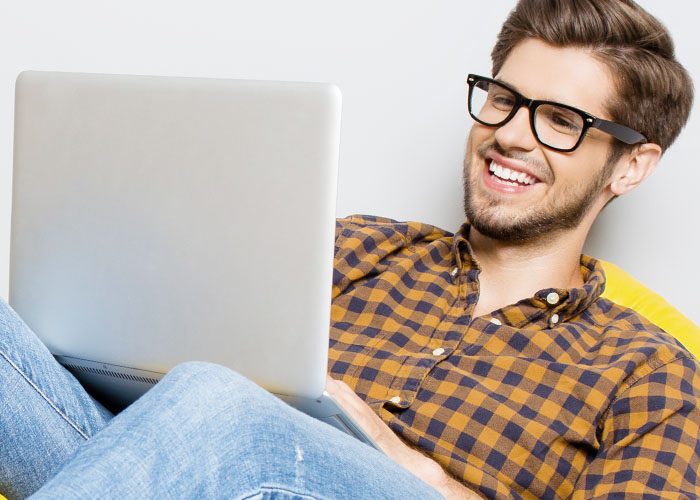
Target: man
(484, 361)
(492, 350)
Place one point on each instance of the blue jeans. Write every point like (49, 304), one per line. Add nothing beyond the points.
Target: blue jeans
(203, 432)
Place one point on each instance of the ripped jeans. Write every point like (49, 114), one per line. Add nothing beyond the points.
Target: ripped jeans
(204, 431)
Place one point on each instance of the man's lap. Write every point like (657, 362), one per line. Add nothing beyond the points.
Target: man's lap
(203, 431)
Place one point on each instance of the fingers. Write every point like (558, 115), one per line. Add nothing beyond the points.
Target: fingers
(363, 415)
(350, 401)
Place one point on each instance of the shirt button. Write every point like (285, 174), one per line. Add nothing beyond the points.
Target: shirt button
(496, 321)
(439, 351)
(454, 272)
(554, 319)
(396, 400)
(552, 297)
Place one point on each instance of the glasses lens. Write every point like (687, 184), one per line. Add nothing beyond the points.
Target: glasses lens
(557, 126)
(490, 103)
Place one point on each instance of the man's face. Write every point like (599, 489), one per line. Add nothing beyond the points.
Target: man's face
(559, 188)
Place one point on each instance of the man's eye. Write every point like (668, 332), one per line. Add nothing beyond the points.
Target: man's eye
(564, 122)
(502, 101)
(561, 120)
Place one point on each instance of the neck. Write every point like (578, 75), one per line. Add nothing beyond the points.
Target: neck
(512, 272)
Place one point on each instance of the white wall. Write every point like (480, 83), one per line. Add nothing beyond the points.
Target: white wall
(401, 65)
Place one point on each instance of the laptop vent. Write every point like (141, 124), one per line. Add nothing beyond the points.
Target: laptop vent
(109, 373)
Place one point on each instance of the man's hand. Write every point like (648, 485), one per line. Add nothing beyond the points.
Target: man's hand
(415, 462)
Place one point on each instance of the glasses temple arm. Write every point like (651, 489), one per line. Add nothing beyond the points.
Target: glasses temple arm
(621, 132)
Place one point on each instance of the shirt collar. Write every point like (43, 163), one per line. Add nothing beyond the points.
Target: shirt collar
(569, 302)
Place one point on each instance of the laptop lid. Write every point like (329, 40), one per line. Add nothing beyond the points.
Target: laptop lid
(157, 220)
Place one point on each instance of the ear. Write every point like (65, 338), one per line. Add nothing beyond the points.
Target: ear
(635, 167)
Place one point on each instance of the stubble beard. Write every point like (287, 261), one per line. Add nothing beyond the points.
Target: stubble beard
(536, 223)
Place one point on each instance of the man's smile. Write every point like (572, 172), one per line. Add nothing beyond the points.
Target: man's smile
(508, 176)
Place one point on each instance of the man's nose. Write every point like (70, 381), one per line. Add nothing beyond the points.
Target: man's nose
(517, 133)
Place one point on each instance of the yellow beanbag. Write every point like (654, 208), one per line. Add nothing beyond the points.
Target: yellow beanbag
(623, 289)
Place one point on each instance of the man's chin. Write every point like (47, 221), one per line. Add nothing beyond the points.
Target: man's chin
(503, 221)
(505, 233)
(522, 228)
(509, 226)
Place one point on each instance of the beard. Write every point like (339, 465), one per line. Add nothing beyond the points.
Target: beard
(563, 211)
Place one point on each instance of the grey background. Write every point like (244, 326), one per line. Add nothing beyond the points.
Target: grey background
(401, 66)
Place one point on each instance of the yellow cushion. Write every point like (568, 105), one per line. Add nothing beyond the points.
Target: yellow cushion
(623, 289)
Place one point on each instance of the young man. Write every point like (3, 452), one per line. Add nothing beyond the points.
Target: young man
(484, 361)
(492, 350)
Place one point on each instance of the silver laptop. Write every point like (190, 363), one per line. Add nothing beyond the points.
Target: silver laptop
(158, 220)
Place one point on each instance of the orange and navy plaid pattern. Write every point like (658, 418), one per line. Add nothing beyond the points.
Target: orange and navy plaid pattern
(562, 394)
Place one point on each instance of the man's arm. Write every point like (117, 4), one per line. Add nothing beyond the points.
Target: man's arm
(412, 460)
(650, 438)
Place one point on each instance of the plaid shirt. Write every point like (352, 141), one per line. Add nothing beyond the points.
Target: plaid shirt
(562, 394)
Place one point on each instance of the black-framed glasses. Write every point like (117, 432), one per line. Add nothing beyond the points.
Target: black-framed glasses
(557, 126)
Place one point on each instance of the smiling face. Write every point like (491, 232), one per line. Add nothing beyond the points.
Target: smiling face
(518, 190)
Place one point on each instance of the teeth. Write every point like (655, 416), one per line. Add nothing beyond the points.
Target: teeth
(507, 174)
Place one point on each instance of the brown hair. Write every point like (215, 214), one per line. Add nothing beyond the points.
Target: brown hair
(654, 92)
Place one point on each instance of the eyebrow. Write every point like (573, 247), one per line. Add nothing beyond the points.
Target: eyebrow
(515, 87)
(507, 84)
(558, 101)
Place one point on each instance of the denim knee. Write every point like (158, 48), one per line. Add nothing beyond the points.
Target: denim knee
(225, 399)
(214, 388)
(200, 377)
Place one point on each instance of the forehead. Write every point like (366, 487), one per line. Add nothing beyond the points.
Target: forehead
(569, 75)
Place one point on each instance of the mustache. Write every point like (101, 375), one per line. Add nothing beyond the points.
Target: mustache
(539, 168)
